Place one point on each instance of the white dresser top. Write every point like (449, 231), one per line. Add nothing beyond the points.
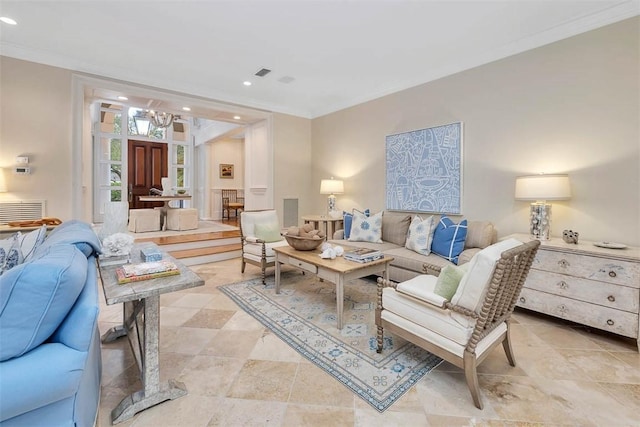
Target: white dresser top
(584, 247)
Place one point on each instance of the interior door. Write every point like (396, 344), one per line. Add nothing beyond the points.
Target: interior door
(147, 165)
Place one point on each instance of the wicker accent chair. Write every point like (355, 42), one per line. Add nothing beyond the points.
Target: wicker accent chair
(231, 202)
(465, 329)
(257, 245)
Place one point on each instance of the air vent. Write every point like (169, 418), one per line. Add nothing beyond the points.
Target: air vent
(286, 79)
(263, 72)
(21, 210)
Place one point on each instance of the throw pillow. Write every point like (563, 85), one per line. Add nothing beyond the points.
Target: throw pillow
(10, 253)
(420, 235)
(366, 229)
(449, 279)
(395, 227)
(30, 241)
(347, 220)
(448, 239)
(269, 232)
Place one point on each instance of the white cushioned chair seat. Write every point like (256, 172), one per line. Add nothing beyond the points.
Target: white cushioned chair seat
(427, 316)
(256, 249)
(443, 341)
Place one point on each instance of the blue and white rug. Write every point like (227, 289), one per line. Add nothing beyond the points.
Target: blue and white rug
(304, 316)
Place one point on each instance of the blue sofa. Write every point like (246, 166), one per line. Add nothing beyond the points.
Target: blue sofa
(50, 361)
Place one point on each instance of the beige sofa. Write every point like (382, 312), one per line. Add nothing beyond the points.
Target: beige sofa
(407, 264)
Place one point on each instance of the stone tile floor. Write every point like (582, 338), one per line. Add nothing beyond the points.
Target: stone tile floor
(239, 374)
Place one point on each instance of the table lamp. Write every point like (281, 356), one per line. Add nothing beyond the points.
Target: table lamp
(542, 188)
(332, 187)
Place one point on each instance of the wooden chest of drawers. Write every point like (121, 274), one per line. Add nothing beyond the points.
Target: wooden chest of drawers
(586, 284)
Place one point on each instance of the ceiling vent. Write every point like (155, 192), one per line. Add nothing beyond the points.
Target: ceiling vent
(286, 79)
(263, 72)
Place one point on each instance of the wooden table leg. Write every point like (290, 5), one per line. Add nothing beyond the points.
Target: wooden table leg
(153, 392)
(277, 274)
(340, 299)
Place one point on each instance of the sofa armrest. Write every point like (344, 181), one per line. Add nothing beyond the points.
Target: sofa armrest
(338, 235)
(47, 374)
(76, 330)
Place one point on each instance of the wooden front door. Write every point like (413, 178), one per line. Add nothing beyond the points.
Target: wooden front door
(147, 166)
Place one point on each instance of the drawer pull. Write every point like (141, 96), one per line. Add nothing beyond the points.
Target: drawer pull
(612, 274)
(523, 300)
(563, 263)
(563, 285)
(610, 322)
(562, 308)
(611, 298)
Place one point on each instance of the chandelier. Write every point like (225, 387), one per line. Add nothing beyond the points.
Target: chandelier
(161, 120)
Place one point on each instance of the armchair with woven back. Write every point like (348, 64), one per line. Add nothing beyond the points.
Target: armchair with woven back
(463, 313)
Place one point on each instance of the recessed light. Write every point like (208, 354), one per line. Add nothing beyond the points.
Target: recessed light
(186, 109)
(8, 20)
(123, 98)
(237, 117)
(246, 83)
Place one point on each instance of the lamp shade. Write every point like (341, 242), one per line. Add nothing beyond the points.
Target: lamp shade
(3, 184)
(331, 186)
(543, 187)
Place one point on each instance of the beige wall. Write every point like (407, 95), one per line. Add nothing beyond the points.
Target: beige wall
(292, 163)
(227, 151)
(569, 107)
(35, 112)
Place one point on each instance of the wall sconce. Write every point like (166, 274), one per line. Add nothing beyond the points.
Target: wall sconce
(542, 188)
(332, 187)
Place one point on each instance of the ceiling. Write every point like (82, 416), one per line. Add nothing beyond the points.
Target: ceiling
(325, 55)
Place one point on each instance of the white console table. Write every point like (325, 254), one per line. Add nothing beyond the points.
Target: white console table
(586, 284)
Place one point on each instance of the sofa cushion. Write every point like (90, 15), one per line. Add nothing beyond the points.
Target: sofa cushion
(449, 238)
(420, 235)
(36, 296)
(480, 234)
(75, 232)
(10, 253)
(474, 284)
(366, 229)
(395, 227)
(347, 220)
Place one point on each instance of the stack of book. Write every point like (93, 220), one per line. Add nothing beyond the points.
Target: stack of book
(146, 270)
(362, 255)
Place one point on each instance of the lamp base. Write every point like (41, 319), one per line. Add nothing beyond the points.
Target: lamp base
(540, 221)
(331, 200)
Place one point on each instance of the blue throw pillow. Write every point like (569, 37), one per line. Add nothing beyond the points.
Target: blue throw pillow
(347, 220)
(449, 238)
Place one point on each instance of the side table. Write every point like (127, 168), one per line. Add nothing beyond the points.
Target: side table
(141, 325)
(329, 224)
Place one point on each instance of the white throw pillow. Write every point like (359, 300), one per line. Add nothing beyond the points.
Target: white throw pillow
(366, 229)
(10, 253)
(29, 242)
(420, 235)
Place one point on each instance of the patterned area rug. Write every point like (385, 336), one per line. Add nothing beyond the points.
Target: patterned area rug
(304, 316)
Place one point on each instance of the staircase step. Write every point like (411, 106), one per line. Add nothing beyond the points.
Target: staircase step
(199, 248)
(194, 237)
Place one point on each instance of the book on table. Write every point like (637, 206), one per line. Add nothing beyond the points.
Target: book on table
(362, 254)
(146, 270)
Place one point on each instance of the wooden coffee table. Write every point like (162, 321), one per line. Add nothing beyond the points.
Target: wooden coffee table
(337, 271)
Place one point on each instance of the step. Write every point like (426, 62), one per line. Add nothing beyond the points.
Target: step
(207, 254)
(199, 248)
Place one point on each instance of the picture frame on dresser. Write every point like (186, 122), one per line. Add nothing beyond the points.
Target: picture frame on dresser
(586, 284)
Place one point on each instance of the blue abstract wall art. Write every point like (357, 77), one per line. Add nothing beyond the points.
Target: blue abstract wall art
(424, 170)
